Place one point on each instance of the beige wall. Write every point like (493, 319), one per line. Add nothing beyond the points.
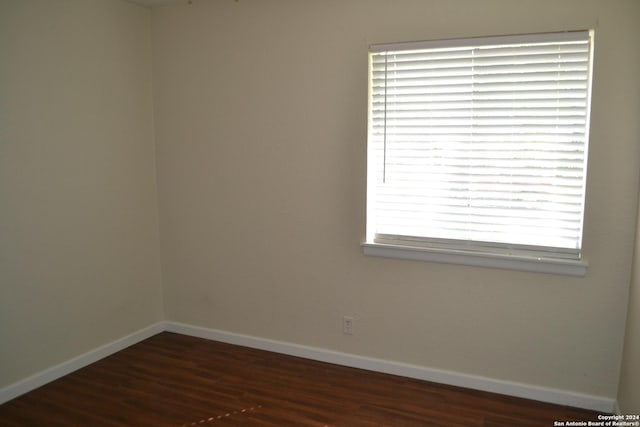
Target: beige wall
(261, 140)
(79, 257)
(629, 390)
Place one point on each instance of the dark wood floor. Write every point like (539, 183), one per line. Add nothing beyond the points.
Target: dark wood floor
(175, 380)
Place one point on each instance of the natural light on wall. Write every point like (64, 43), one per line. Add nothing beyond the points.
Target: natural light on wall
(478, 149)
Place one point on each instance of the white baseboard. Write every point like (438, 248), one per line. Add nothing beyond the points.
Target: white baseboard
(41, 378)
(542, 394)
(560, 397)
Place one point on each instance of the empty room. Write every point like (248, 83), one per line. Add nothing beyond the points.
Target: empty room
(319, 212)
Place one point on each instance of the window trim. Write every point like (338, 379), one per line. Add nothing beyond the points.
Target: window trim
(459, 255)
(567, 267)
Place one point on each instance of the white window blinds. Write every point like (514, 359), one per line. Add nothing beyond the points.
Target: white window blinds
(480, 144)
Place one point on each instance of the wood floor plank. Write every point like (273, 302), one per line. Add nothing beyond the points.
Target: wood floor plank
(175, 380)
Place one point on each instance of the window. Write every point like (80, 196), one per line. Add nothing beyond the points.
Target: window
(477, 150)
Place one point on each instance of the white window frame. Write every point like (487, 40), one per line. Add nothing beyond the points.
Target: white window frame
(512, 257)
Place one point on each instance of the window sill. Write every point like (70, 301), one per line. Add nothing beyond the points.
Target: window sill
(506, 262)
